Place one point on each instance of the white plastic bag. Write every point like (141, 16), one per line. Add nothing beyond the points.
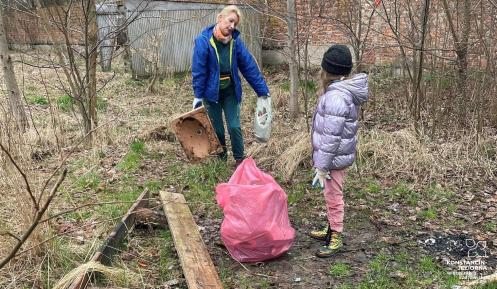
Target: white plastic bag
(263, 118)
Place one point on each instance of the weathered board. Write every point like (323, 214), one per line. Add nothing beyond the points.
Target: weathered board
(195, 260)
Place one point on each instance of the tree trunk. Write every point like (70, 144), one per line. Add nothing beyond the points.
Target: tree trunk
(461, 43)
(15, 102)
(462, 60)
(357, 39)
(91, 65)
(417, 94)
(292, 63)
(153, 78)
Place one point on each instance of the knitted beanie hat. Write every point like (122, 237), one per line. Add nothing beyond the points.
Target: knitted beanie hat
(337, 60)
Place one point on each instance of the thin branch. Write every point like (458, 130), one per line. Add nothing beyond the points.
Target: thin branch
(450, 21)
(10, 235)
(36, 221)
(36, 66)
(24, 177)
(84, 206)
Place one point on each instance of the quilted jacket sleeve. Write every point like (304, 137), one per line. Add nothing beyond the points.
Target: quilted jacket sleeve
(249, 69)
(199, 67)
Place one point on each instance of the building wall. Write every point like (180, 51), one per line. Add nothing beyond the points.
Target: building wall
(26, 28)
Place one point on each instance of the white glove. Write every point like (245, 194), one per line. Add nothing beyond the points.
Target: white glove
(197, 102)
(319, 177)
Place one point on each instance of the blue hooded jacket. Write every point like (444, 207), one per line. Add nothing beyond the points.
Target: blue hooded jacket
(205, 67)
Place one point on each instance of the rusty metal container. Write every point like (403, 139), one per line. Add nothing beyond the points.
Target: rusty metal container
(196, 134)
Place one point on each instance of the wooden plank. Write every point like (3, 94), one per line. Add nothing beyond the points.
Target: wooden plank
(112, 243)
(195, 260)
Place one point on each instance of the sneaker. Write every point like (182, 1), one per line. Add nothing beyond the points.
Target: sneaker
(319, 235)
(332, 246)
(224, 155)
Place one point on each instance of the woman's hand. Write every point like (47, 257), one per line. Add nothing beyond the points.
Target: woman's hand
(197, 102)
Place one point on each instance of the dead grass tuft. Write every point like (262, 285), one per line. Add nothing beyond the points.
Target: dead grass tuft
(114, 276)
(401, 155)
(294, 155)
(285, 150)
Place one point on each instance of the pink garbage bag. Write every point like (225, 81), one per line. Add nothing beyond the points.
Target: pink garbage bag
(256, 225)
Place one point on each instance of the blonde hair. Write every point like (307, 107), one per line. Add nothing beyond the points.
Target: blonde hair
(231, 9)
(326, 79)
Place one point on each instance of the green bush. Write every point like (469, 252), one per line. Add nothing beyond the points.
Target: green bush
(65, 102)
(36, 99)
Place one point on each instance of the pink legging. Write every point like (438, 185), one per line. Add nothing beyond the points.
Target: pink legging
(333, 195)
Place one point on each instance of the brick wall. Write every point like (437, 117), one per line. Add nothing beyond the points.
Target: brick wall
(325, 24)
(26, 28)
(327, 21)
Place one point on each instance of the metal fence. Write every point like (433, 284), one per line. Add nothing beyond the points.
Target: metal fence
(164, 33)
(110, 20)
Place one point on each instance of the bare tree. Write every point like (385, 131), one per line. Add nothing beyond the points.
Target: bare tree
(417, 98)
(91, 45)
(81, 80)
(15, 102)
(292, 63)
(358, 27)
(409, 23)
(461, 45)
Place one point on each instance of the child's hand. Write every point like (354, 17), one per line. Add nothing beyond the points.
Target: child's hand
(319, 177)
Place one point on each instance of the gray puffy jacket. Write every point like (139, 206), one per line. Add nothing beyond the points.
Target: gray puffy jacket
(334, 125)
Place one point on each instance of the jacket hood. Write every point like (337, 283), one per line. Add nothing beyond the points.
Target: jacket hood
(207, 32)
(357, 86)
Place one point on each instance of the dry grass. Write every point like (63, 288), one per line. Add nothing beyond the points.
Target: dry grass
(282, 154)
(115, 276)
(130, 112)
(16, 206)
(401, 155)
(294, 155)
(390, 155)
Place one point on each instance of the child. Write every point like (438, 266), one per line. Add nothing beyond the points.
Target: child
(334, 138)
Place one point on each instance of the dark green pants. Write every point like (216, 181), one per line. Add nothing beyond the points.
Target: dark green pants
(231, 109)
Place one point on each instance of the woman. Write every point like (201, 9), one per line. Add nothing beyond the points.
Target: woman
(218, 54)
